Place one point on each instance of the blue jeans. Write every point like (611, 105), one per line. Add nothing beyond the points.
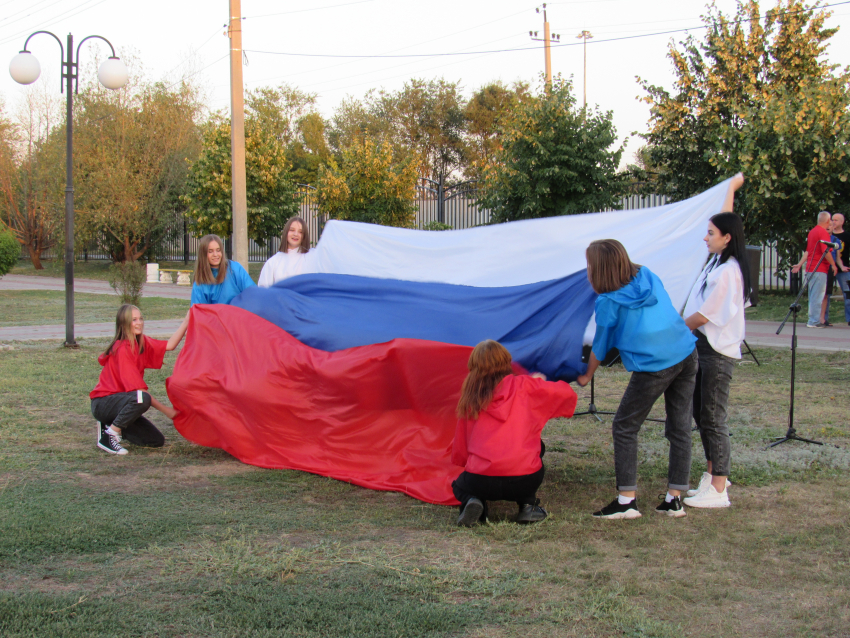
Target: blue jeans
(676, 383)
(711, 400)
(843, 279)
(817, 289)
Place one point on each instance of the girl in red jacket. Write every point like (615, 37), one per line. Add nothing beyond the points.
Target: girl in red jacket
(501, 416)
(120, 397)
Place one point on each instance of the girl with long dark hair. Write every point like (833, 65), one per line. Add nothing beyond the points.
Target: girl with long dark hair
(497, 441)
(715, 312)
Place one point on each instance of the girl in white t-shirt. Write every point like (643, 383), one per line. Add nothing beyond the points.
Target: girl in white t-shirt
(715, 312)
(289, 261)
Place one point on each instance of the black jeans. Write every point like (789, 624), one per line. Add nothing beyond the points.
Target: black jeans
(711, 399)
(520, 489)
(123, 410)
(676, 383)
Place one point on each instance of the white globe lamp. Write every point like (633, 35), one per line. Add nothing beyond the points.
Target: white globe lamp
(112, 73)
(24, 68)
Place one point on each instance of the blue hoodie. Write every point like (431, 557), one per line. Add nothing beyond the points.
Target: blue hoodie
(640, 321)
(235, 281)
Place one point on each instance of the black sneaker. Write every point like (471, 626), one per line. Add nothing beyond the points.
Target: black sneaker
(109, 442)
(471, 512)
(673, 508)
(531, 513)
(616, 511)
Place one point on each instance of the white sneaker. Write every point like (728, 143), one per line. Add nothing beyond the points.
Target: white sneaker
(705, 480)
(708, 498)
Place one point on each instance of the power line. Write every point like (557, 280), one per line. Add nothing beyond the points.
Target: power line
(283, 13)
(61, 15)
(570, 44)
(196, 72)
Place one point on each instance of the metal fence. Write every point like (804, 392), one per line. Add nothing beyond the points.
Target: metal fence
(454, 205)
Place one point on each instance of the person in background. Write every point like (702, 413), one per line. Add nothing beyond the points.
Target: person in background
(217, 279)
(843, 275)
(289, 260)
(817, 284)
(841, 268)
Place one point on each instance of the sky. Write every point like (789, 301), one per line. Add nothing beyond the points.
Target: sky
(178, 38)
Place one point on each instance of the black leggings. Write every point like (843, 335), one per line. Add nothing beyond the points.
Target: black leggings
(520, 489)
(124, 410)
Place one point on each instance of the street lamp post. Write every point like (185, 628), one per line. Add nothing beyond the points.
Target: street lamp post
(25, 69)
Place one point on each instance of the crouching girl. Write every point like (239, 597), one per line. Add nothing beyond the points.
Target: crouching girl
(635, 315)
(120, 397)
(497, 441)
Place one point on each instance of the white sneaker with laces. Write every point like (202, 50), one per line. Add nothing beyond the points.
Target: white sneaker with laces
(705, 479)
(708, 498)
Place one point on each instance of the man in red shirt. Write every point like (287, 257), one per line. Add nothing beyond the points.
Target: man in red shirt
(817, 282)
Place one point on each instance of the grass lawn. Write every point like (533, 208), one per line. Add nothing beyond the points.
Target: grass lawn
(45, 307)
(100, 269)
(773, 306)
(187, 541)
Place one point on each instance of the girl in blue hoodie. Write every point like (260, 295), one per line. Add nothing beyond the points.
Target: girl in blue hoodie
(635, 315)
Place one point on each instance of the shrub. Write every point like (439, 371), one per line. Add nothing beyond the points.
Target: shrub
(435, 225)
(127, 279)
(10, 251)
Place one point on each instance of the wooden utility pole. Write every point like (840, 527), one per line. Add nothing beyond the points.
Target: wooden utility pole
(547, 41)
(237, 138)
(585, 35)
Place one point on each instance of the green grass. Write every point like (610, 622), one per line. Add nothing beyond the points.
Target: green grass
(45, 307)
(773, 306)
(187, 541)
(100, 269)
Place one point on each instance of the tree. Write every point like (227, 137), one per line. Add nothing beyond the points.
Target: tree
(309, 150)
(555, 160)
(424, 119)
(130, 146)
(757, 95)
(486, 113)
(271, 195)
(369, 185)
(31, 176)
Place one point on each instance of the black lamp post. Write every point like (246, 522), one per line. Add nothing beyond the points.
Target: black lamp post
(25, 69)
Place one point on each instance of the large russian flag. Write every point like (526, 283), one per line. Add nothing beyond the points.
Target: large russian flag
(353, 371)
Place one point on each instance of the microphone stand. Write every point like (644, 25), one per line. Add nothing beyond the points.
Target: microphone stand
(591, 409)
(793, 309)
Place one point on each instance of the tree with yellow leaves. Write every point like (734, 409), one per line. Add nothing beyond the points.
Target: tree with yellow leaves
(757, 95)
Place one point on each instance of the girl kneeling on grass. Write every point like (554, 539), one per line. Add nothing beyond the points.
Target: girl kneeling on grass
(635, 315)
(501, 416)
(119, 399)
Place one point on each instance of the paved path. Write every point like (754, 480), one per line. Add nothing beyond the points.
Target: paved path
(93, 286)
(759, 333)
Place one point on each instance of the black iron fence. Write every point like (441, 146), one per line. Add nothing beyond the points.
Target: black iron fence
(454, 205)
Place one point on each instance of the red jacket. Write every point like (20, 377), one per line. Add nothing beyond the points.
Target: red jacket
(505, 438)
(124, 370)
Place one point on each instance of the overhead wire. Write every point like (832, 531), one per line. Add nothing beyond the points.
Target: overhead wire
(11, 38)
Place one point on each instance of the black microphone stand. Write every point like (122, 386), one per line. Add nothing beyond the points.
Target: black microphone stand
(793, 309)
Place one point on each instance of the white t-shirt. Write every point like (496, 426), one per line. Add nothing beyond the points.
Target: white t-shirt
(282, 266)
(722, 303)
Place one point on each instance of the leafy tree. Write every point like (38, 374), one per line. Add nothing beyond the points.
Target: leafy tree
(486, 113)
(757, 95)
(424, 119)
(368, 185)
(10, 250)
(32, 158)
(555, 160)
(129, 147)
(309, 150)
(271, 195)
